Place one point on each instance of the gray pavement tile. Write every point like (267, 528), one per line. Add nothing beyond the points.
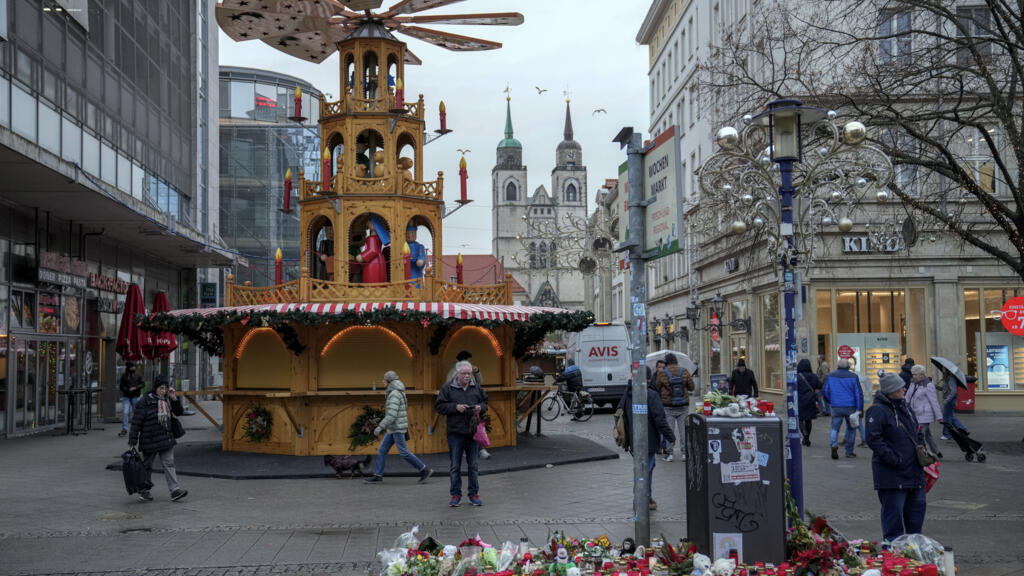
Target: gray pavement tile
(204, 548)
(361, 545)
(298, 547)
(235, 548)
(329, 546)
(267, 547)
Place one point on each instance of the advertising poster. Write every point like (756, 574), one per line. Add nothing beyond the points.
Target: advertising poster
(662, 217)
(997, 366)
(719, 382)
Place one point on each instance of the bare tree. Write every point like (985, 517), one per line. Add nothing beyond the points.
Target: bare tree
(938, 82)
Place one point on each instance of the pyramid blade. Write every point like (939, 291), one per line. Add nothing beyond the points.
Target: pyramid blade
(413, 6)
(315, 46)
(448, 40)
(412, 59)
(318, 8)
(496, 19)
(241, 24)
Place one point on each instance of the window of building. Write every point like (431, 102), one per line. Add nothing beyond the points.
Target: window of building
(894, 38)
(994, 355)
(977, 159)
(772, 375)
(974, 27)
(511, 194)
(571, 194)
(906, 175)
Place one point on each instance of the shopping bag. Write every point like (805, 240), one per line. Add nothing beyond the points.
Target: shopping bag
(931, 475)
(177, 429)
(481, 434)
(134, 472)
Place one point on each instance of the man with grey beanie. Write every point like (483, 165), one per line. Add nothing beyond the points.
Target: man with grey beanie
(893, 435)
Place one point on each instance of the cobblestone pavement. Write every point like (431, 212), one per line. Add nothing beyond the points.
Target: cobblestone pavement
(63, 513)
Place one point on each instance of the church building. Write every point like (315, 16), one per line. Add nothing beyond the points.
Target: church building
(528, 228)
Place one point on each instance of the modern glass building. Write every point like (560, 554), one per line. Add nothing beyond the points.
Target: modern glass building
(258, 145)
(99, 131)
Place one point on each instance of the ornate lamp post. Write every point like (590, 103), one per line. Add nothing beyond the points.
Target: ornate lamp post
(754, 180)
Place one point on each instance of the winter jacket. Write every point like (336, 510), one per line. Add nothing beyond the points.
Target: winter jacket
(807, 386)
(743, 383)
(924, 402)
(147, 432)
(949, 391)
(452, 395)
(842, 389)
(894, 462)
(572, 377)
(664, 386)
(396, 409)
(657, 424)
(128, 381)
(906, 374)
(822, 372)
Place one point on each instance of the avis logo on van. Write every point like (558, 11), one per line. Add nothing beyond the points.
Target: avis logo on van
(603, 352)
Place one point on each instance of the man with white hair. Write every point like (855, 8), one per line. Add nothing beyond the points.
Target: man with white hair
(460, 399)
(845, 397)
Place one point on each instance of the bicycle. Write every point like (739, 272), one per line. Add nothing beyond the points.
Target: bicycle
(580, 405)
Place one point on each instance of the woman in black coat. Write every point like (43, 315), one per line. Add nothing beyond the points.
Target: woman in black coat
(151, 432)
(807, 388)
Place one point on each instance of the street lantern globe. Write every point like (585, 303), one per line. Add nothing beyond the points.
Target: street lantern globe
(845, 224)
(728, 137)
(784, 118)
(854, 133)
(692, 310)
(717, 304)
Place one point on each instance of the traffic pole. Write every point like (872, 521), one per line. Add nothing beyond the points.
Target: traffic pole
(794, 451)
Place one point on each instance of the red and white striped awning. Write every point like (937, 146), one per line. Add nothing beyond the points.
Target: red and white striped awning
(456, 310)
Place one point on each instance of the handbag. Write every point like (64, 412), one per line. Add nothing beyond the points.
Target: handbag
(925, 457)
(177, 429)
(481, 434)
(134, 472)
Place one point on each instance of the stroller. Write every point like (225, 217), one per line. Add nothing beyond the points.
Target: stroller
(969, 446)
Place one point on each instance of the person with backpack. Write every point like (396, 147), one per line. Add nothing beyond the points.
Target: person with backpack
(674, 384)
(395, 426)
(807, 388)
(657, 428)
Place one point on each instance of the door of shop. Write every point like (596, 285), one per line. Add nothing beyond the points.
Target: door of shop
(42, 370)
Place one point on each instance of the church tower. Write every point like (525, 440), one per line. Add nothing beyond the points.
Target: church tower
(569, 176)
(509, 195)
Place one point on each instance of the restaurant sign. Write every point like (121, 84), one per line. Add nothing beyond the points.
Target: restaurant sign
(107, 283)
(56, 268)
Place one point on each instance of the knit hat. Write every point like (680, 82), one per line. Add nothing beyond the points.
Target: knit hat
(890, 383)
(740, 362)
(161, 381)
(463, 355)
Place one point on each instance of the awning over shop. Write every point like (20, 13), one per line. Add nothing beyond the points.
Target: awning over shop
(459, 311)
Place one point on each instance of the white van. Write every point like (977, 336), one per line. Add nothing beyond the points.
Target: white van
(603, 355)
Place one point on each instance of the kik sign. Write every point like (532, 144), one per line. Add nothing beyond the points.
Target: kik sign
(864, 244)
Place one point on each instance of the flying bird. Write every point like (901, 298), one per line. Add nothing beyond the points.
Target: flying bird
(540, 90)
(463, 152)
(599, 111)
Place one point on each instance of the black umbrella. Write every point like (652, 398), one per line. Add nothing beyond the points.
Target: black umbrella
(955, 370)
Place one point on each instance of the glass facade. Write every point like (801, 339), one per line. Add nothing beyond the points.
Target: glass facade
(258, 145)
(773, 376)
(118, 99)
(994, 355)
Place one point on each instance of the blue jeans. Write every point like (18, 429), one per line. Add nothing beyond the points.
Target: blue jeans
(840, 415)
(459, 444)
(127, 407)
(949, 416)
(902, 512)
(398, 439)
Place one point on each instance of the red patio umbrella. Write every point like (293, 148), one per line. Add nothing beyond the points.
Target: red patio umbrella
(159, 344)
(129, 337)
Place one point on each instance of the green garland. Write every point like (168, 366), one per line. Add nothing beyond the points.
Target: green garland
(257, 423)
(206, 331)
(361, 432)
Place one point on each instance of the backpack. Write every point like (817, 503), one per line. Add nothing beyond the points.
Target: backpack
(619, 430)
(675, 383)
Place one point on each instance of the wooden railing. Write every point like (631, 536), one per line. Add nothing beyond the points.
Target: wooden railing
(328, 109)
(306, 289)
(415, 108)
(385, 103)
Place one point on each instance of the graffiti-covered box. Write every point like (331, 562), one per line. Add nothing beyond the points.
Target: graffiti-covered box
(735, 469)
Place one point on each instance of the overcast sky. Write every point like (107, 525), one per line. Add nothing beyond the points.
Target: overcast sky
(586, 46)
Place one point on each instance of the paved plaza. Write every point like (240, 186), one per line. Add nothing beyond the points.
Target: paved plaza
(63, 512)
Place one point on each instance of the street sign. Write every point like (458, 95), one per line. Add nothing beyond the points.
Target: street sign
(845, 352)
(662, 189)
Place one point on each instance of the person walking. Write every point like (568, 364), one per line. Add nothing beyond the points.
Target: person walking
(899, 480)
(674, 384)
(949, 385)
(822, 373)
(657, 429)
(151, 432)
(905, 370)
(842, 388)
(807, 389)
(395, 426)
(131, 390)
(923, 400)
(742, 381)
(459, 400)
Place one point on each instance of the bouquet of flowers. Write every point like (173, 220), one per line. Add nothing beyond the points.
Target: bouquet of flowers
(817, 548)
(679, 562)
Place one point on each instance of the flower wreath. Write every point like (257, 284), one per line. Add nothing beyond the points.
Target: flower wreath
(361, 431)
(257, 423)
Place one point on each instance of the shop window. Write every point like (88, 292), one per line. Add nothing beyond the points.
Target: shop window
(772, 376)
(994, 355)
(823, 303)
(715, 341)
(49, 313)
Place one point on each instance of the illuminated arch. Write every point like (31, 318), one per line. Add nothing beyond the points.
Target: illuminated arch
(356, 357)
(252, 333)
(262, 361)
(346, 331)
(487, 334)
(487, 357)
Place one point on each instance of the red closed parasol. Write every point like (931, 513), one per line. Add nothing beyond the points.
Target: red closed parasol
(159, 344)
(129, 337)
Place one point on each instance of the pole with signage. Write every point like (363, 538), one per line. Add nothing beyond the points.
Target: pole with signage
(638, 302)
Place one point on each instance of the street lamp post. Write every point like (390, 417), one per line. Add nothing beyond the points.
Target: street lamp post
(756, 178)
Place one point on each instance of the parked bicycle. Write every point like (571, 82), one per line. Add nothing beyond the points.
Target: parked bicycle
(580, 405)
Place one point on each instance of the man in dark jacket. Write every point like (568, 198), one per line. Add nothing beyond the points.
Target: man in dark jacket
(892, 433)
(842, 389)
(674, 384)
(131, 389)
(151, 432)
(657, 428)
(905, 372)
(742, 381)
(460, 400)
(807, 388)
